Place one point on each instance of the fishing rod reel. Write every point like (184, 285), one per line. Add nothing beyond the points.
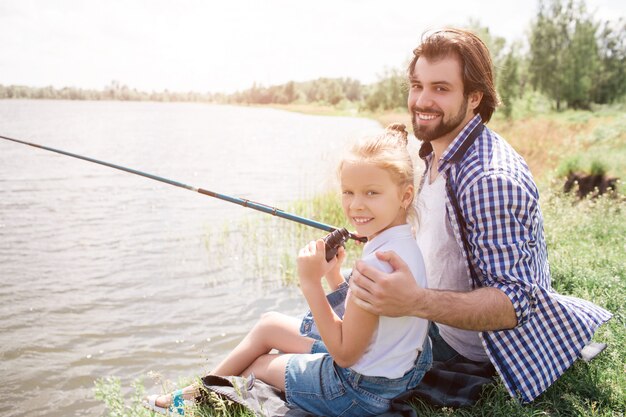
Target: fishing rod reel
(334, 240)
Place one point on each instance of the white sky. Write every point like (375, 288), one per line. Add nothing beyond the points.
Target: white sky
(222, 46)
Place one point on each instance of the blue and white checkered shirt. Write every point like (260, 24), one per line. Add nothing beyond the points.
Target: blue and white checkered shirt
(498, 204)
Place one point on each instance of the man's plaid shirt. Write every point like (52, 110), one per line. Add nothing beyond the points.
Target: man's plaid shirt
(499, 204)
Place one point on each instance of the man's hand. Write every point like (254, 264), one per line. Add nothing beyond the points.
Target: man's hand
(394, 295)
(397, 294)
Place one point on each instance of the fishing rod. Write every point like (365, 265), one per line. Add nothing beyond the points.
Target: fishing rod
(240, 201)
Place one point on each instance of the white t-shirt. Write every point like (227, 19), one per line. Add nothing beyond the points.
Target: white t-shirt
(446, 268)
(397, 340)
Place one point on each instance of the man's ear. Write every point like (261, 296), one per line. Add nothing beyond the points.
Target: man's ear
(474, 99)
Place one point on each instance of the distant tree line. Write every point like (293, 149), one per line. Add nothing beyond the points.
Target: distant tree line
(114, 91)
(569, 57)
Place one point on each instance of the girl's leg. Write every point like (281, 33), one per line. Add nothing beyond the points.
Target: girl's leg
(272, 331)
(270, 369)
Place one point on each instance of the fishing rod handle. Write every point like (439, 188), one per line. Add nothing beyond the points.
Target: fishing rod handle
(333, 241)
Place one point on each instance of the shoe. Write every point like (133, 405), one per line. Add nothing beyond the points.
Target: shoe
(177, 408)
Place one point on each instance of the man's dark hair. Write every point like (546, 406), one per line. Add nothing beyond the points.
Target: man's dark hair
(476, 64)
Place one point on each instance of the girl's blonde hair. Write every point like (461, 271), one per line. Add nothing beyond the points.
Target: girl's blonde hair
(389, 152)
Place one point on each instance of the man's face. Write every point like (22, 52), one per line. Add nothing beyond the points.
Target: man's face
(439, 110)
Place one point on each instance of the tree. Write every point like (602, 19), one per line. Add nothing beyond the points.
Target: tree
(389, 92)
(580, 64)
(333, 92)
(609, 83)
(548, 40)
(289, 92)
(352, 89)
(508, 81)
(495, 44)
(564, 56)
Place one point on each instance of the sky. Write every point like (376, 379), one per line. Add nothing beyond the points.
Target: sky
(224, 46)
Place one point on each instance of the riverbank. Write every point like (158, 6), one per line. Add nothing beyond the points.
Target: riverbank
(345, 110)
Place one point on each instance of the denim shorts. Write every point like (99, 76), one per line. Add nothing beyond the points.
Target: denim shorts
(314, 383)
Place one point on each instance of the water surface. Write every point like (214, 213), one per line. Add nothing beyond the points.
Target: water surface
(104, 273)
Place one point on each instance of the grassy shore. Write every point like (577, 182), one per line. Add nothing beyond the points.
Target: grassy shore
(587, 253)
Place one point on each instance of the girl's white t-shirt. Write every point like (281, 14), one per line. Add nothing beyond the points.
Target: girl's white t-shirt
(397, 340)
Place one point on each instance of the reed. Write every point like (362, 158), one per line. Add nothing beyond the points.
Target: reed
(271, 244)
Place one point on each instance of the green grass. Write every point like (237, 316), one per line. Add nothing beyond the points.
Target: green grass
(587, 253)
(601, 151)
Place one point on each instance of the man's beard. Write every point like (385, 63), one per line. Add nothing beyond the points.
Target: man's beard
(443, 128)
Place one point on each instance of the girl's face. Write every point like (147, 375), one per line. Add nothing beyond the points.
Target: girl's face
(371, 200)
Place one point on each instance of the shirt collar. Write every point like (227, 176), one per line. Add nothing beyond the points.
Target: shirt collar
(455, 151)
(395, 232)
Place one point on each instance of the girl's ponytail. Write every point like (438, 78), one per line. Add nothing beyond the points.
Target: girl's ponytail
(398, 130)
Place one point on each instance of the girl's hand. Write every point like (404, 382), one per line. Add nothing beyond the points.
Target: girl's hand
(357, 242)
(333, 276)
(311, 262)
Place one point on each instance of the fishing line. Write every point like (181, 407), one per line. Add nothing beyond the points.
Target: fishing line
(240, 201)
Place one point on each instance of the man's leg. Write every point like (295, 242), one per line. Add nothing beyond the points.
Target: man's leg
(442, 351)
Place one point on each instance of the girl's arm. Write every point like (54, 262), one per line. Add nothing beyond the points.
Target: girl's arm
(334, 277)
(346, 339)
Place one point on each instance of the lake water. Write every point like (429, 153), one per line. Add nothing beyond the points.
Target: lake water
(104, 273)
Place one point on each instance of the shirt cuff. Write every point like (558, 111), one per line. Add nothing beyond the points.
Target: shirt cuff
(522, 297)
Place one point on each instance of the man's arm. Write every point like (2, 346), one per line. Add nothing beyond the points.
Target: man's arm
(397, 294)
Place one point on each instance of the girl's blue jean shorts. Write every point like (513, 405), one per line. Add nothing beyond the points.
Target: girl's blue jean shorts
(314, 383)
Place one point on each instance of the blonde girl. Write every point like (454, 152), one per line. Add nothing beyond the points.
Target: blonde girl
(362, 360)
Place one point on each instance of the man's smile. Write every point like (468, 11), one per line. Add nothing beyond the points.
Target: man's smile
(427, 116)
